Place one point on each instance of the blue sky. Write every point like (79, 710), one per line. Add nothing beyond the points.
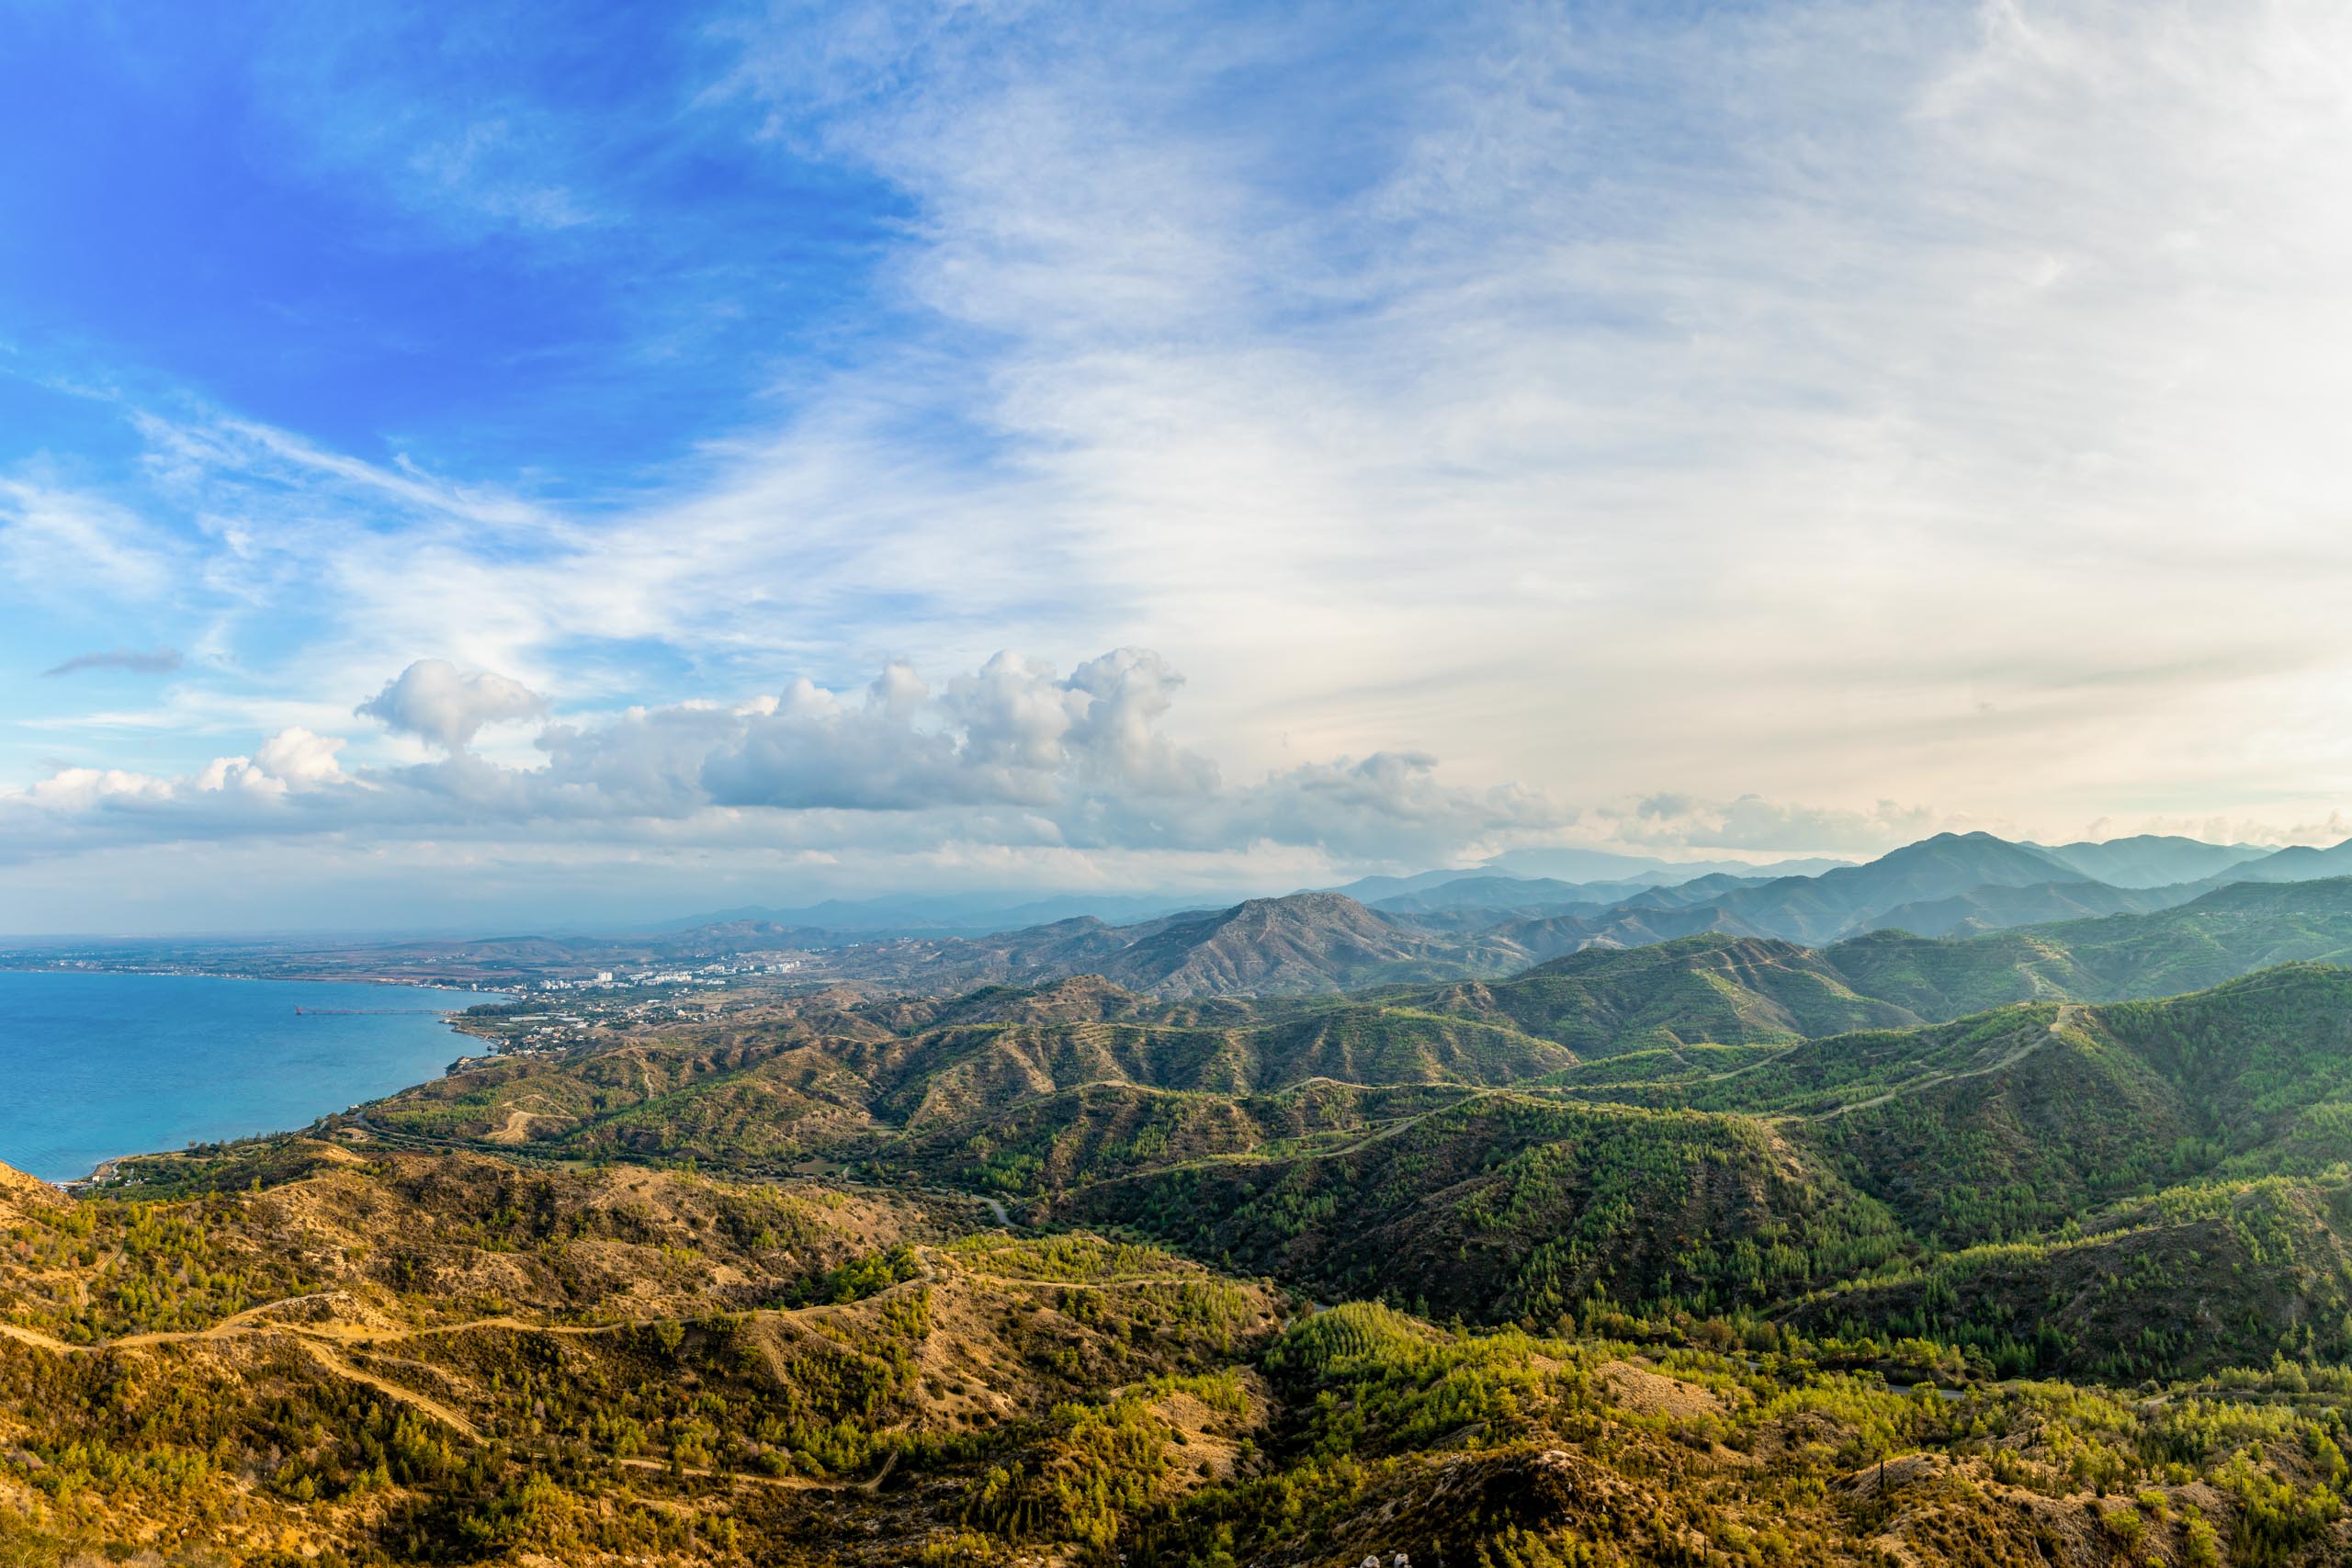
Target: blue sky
(462, 468)
(517, 237)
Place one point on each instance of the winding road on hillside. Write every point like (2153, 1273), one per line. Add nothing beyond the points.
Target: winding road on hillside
(2065, 1014)
(325, 1342)
(419, 1143)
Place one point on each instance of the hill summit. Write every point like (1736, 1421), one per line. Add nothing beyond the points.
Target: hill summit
(1307, 942)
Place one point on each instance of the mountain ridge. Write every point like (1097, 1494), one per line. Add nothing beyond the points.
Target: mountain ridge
(838, 1274)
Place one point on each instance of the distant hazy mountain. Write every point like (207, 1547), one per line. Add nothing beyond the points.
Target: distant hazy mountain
(1439, 924)
(1700, 890)
(962, 914)
(1997, 909)
(1953, 883)
(1372, 889)
(1516, 886)
(1552, 936)
(2298, 863)
(1304, 943)
(1511, 893)
(1710, 990)
(1308, 941)
(2215, 936)
(2152, 859)
(1600, 865)
(1855, 898)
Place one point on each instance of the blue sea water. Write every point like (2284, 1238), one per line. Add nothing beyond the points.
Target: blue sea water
(97, 1065)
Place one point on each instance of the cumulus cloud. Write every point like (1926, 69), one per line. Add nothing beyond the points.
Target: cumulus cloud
(433, 700)
(1019, 750)
(1012, 733)
(1013, 754)
(1010, 771)
(149, 662)
(300, 758)
(291, 762)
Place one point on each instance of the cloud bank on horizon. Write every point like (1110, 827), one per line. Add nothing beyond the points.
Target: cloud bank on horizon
(487, 468)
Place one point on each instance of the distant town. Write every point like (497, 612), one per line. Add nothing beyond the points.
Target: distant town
(708, 975)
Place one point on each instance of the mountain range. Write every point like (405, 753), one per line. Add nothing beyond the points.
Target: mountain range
(1296, 1233)
(1864, 1133)
(1520, 876)
(1455, 924)
(1476, 924)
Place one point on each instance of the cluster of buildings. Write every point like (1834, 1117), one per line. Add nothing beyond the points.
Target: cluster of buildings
(717, 974)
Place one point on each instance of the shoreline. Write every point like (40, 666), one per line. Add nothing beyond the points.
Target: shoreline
(12, 966)
(106, 1169)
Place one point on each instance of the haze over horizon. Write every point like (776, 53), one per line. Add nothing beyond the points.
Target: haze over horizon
(487, 472)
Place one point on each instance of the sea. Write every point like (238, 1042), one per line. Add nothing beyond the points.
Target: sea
(97, 1065)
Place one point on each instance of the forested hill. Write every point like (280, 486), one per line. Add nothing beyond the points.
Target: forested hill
(1625, 1258)
(1477, 924)
(2201, 1138)
(2215, 936)
(1567, 1135)
(2002, 940)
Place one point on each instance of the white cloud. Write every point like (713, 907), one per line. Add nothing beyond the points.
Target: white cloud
(1823, 403)
(1617, 393)
(1013, 754)
(434, 701)
(64, 811)
(58, 544)
(301, 757)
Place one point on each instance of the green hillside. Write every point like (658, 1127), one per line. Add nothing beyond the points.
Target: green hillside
(1705, 1127)
(1037, 1273)
(1501, 1206)
(1709, 1179)
(1711, 989)
(2217, 937)
(385, 1357)
(2193, 1279)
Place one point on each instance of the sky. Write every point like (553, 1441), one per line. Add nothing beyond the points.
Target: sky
(534, 463)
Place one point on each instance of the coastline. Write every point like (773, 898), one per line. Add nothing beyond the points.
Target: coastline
(15, 964)
(267, 1117)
